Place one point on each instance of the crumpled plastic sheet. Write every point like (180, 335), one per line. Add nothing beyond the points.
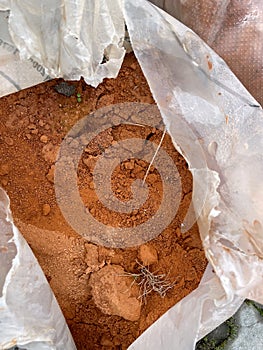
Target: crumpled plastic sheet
(60, 35)
(29, 314)
(16, 74)
(232, 28)
(218, 127)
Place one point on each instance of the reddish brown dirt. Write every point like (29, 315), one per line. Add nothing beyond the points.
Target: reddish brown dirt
(33, 124)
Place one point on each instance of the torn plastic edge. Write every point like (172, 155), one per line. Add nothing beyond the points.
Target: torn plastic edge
(14, 239)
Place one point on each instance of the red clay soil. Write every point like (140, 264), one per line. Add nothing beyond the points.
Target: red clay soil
(87, 279)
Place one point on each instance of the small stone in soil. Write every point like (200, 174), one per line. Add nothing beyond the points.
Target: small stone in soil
(148, 255)
(133, 66)
(4, 182)
(31, 127)
(49, 152)
(114, 294)
(65, 89)
(34, 132)
(44, 138)
(90, 162)
(129, 165)
(50, 174)
(47, 127)
(92, 255)
(46, 209)
(4, 169)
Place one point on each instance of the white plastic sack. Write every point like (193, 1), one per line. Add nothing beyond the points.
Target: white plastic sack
(16, 74)
(29, 313)
(70, 38)
(214, 122)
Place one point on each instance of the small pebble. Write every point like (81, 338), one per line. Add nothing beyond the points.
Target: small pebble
(34, 132)
(133, 66)
(50, 174)
(92, 211)
(44, 138)
(47, 126)
(92, 185)
(65, 89)
(4, 169)
(32, 126)
(129, 165)
(4, 182)
(46, 209)
(148, 255)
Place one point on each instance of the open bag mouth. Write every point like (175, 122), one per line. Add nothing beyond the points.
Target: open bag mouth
(71, 150)
(105, 197)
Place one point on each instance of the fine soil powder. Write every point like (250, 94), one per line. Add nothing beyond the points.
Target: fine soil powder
(97, 287)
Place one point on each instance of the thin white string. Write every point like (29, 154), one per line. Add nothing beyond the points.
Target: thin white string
(155, 154)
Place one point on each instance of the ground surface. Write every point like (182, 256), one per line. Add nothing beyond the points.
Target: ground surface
(100, 307)
(243, 331)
